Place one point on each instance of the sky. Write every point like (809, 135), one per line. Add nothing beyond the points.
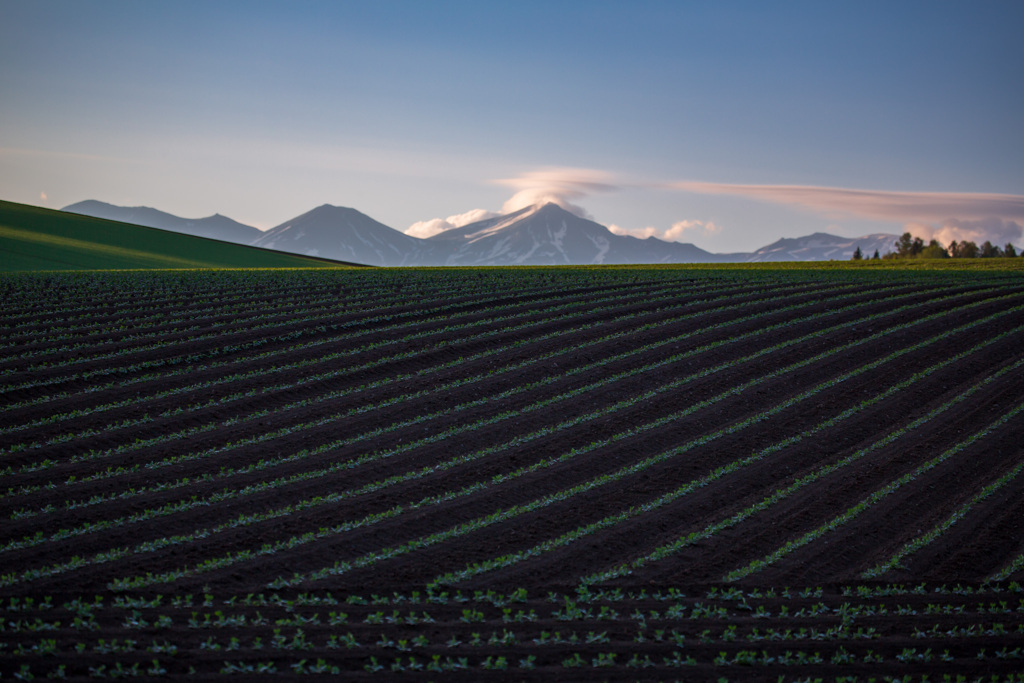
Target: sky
(725, 124)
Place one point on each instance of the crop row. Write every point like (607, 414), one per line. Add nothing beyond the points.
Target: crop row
(876, 496)
(290, 509)
(107, 296)
(107, 556)
(732, 467)
(162, 317)
(561, 496)
(668, 550)
(658, 305)
(499, 310)
(480, 485)
(462, 381)
(295, 314)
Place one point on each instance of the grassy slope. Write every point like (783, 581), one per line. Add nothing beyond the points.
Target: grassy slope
(34, 238)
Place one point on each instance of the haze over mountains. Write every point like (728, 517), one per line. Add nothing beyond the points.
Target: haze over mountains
(216, 226)
(537, 235)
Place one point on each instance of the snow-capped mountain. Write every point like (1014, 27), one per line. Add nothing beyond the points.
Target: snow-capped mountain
(216, 227)
(345, 234)
(549, 235)
(822, 246)
(537, 235)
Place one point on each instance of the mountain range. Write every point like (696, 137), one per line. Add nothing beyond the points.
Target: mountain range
(537, 235)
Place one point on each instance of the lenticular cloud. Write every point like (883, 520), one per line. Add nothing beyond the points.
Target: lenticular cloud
(558, 185)
(875, 204)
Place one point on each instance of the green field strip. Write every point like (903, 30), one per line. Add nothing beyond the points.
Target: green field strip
(34, 238)
(633, 512)
(448, 365)
(503, 515)
(347, 465)
(875, 497)
(105, 252)
(935, 532)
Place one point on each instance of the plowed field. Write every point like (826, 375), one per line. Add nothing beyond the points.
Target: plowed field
(575, 474)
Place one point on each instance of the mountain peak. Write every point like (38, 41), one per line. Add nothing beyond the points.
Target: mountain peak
(550, 207)
(328, 208)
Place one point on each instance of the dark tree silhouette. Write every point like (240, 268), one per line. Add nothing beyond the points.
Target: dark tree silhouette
(933, 250)
(908, 246)
(989, 250)
(965, 249)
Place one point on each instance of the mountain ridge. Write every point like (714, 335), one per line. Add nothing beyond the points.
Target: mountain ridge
(542, 234)
(217, 226)
(549, 235)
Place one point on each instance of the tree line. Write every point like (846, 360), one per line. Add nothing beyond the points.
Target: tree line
(908, 246)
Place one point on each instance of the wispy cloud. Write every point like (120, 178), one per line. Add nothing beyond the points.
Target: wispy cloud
(839, 202)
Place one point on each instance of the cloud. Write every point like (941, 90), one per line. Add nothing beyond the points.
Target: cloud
(423, 229)
(676, 233)
(838, 202)
(558, 185)
(991, 229)
(42, 196)
(704, 228)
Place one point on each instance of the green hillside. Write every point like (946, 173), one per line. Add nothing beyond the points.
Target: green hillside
(34, 238)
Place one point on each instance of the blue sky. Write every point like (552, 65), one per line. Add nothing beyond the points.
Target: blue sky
(726, 124)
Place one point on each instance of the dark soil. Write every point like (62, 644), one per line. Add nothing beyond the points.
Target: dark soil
(430, 422)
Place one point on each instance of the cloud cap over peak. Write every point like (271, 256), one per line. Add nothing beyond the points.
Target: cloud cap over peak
(557, 185)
